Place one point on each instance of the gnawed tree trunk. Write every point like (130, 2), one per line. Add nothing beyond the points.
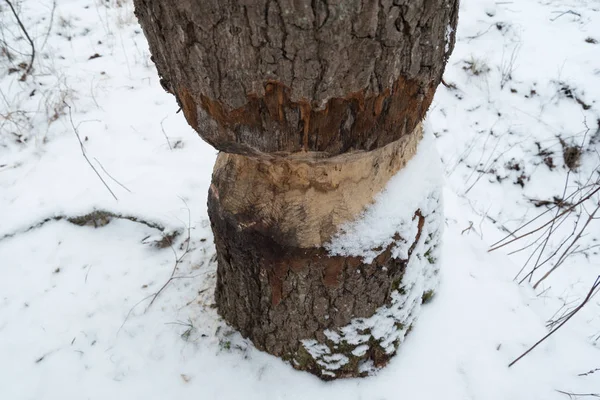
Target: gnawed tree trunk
(314, 105)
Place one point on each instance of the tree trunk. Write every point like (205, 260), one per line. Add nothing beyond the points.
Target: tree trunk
(314, 105)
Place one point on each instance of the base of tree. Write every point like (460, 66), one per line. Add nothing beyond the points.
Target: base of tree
(326, 311)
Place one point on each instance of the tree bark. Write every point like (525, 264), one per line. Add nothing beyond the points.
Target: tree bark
(266, 76)
(314, 105)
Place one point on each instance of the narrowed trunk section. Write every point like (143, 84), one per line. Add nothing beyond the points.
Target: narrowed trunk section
(316, 106)
(279, 282)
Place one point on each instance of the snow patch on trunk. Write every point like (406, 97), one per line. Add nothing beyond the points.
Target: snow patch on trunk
(415, 187)
(407, 215)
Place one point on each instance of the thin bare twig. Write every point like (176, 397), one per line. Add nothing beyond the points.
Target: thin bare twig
(129, 313)
(499, 244)
(566, 253)
(47, 35)
(480, 34)
(592, 371)
(547, 239)
(553, 321)
(590, 294)
(27, 36)
(87, 272)
(178, 260)
(508, 66)
(575, 395)
(561, 13)
(593, 186)
(110, 176)
(164, 133)
(84, 153)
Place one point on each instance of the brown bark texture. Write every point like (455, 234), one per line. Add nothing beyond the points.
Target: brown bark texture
(282, 76)
(315, 105)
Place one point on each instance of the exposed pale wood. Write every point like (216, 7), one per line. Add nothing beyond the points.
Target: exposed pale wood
(302, 200)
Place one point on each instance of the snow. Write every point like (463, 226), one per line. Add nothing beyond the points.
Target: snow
(394, 208)
(75, 320)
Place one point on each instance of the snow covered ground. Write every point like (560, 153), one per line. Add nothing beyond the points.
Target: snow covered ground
(75, 316)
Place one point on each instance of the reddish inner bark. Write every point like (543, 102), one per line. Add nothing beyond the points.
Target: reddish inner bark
(358, 121)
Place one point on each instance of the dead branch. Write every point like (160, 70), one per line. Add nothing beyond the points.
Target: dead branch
(96, 219)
